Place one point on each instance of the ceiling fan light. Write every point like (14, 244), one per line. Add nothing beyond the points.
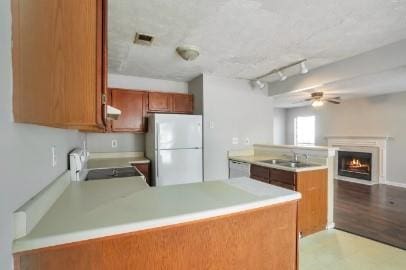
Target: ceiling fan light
(317, 103)
(282, 75)
(303, 68)
(260, 84)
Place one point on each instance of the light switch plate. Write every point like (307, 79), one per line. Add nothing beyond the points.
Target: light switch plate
(54, 160)
(235, 140)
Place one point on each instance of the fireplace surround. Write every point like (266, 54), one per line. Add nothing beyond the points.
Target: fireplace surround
(373, 147)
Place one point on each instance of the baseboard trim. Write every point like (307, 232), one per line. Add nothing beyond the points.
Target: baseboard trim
(396, 184)
(330, 226)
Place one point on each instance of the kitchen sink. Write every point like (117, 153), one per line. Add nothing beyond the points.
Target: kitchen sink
(287, 163)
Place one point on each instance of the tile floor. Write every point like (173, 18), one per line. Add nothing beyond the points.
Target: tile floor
(334, 249)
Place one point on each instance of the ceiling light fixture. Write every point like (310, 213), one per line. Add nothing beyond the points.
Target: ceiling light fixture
(282, 75)
(260, 84)
(279, 71)
(303, 68)
(188, 52)
(317, 103)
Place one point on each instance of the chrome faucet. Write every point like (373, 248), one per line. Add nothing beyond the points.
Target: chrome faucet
(295, 156)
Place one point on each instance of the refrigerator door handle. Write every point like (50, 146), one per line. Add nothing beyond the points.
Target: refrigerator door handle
(157, 151)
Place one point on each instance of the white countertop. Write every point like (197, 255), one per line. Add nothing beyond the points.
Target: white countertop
(257, 160)
(93, 209)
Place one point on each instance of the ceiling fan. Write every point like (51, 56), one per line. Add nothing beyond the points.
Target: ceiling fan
(318, 99)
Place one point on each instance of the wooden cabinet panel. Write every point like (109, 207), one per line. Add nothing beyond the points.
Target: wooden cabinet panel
(79, 256)
(313, 187)
(259, 173)
(159, 102)
(145, 170)
(313, 205)
(282, 184)
(182, 103)
(264, 238)
(132, 106)
(282, 176)
(58, 71)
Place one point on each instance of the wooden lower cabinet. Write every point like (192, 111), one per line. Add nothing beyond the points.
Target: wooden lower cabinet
(264, 238)
(313, 205)
(144, 168)
(260, 173)
(313, 187)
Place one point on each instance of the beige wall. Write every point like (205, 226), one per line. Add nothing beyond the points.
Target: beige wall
(374, 116)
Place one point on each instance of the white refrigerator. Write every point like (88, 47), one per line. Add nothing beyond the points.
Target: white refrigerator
(174, 146)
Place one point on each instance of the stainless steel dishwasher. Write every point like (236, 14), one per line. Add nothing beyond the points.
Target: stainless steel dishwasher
(238, 169)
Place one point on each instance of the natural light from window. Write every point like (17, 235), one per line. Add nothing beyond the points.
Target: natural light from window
(305, 127)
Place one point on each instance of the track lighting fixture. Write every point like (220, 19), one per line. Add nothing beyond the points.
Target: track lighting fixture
(279, 71)
(260, 84)
(303, 68)
(282, 75)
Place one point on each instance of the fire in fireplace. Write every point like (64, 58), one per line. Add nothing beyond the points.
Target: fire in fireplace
(355, 165)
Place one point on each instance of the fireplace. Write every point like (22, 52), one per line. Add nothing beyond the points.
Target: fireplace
(355, 165)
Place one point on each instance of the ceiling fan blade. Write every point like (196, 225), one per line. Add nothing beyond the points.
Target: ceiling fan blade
(338, 98)
(308, 99)
(333, 101)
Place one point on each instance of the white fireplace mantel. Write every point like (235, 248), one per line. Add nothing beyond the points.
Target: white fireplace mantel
(379, 142)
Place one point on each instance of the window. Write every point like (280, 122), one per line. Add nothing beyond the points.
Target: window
(305, 130)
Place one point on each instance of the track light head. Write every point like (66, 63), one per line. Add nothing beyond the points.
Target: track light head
(260, 84)
(303, 68)
(282, 75)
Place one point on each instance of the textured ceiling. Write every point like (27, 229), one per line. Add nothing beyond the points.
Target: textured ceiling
(245, 39)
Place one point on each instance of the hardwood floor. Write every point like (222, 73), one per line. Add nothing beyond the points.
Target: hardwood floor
(377, 212)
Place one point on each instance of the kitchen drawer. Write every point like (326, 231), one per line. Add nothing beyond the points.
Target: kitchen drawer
(259, 173)
(283, 185)
(282, 176)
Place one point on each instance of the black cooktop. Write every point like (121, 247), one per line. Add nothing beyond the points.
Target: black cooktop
(110, 173)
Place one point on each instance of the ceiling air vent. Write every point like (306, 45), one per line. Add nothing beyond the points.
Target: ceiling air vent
(143, 39)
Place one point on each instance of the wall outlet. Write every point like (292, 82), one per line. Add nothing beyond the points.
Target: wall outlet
(247, 141)
(211, 124)
(53, 152)
(235, 140)
(114, 143)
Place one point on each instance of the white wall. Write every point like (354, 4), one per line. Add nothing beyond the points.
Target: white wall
(142, 83)
(26, 149)
(279, 120)
(127, 142)
(130, 142)
(375, 116)
(232, 108)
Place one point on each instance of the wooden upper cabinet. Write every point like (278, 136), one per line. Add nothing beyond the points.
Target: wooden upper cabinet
(59, 63)
(166, 102)
(160, 102)
(182, 103)
(133, 110)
